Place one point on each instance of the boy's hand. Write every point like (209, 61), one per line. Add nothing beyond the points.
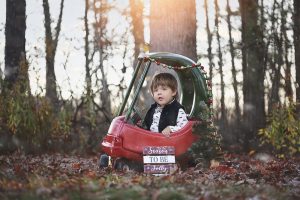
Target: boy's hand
(167, 131)
(139, 123)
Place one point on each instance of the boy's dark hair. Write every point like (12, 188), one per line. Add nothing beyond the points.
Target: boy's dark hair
(164, 79)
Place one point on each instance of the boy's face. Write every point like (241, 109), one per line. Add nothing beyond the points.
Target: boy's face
(163, 95)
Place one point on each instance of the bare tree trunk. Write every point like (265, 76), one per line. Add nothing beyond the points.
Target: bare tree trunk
(297, 50)
(286, 48)
(169, 30)
(1, 80)
(100, 41)
(233, 69)
(209, 41)
(271, 59)
(223, 117)
(253, 72)
(15, 53)
(277, 64)
(285, 52)
(287, 62)
(263, 30)
(172, 29)
(88, 78)
(136, 13)
(86, 100)
(51, 46)
(265, 46)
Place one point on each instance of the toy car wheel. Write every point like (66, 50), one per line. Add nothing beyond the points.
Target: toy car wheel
(121, 164)
(103, 161)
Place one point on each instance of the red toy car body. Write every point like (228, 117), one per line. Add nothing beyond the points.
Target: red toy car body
(128, 141)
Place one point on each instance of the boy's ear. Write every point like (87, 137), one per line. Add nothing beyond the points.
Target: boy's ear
(174, 94)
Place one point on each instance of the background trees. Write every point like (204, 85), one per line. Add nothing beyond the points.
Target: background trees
(51, 41)
(252, 57)
(169, 30)
(137, 16)
(15, 54)
(253, 70)
(297, 49)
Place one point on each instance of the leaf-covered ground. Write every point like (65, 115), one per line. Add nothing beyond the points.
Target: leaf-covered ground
(66, 177)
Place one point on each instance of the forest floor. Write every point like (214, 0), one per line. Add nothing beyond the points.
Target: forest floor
(59, 176)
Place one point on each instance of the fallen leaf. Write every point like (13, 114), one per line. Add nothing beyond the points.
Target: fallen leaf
(214, 163)
(76, 166)
(90, 174)
(224, 169)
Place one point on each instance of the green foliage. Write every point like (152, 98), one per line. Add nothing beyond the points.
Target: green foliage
(115, 194)
(208, 146)
(19, 114)
(31, 120)
(205, 114)
(283, 131)
(170, 194)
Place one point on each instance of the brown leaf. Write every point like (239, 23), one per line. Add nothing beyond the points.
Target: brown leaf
(17, 168)
(225, 169)
(76, 166)
(90, 174)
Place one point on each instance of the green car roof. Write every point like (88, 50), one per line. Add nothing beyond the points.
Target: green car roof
(195, 93)
(171, 59)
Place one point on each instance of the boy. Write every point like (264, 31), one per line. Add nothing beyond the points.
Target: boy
(166, 115)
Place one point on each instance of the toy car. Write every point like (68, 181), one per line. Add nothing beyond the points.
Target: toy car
(126, 141)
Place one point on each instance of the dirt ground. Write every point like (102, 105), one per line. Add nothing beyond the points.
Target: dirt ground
(64, 177)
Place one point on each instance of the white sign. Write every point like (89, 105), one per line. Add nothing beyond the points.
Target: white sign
(156, 169)
(159, 159)
(159, 150)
